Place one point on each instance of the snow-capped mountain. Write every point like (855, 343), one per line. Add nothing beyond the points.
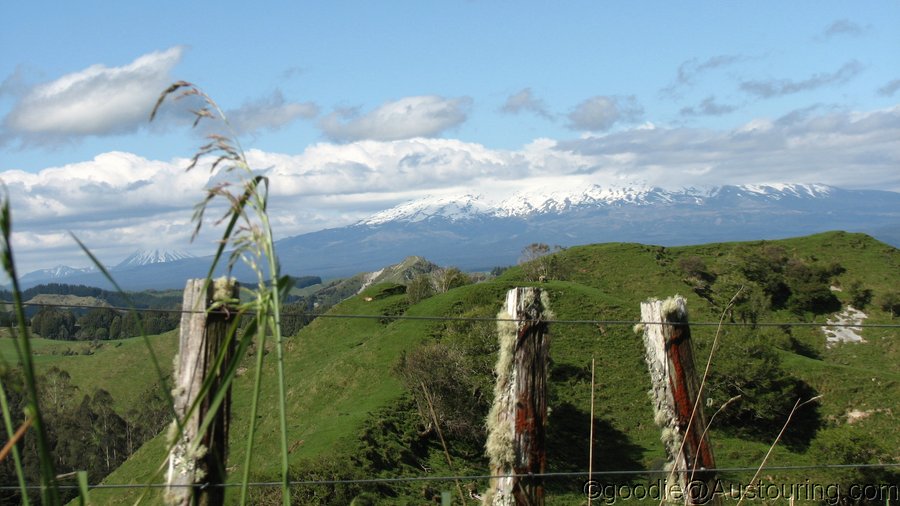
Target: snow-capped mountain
(459, 207)
(147, 257)
(540, 201)
(477, 231)
(60, 273)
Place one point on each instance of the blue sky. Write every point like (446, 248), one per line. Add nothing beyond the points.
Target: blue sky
(352, 107)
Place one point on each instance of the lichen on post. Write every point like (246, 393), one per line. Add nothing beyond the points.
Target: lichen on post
(197, 460)
(517, 420)
(675, 392)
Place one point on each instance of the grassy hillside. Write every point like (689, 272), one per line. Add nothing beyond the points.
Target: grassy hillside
(351, 415)
(121, 367)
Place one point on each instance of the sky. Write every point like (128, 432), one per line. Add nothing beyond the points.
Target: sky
(353, 107)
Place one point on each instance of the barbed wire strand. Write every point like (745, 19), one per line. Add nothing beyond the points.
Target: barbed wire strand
(467, 477)
(477, 318)
(478, 477)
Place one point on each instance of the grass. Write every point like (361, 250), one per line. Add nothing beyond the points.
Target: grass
(340, 377)
(117, 366)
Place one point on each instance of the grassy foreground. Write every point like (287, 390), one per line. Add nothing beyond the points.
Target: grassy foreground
(350, 417)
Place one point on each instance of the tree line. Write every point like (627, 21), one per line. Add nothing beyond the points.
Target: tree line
(101, 324)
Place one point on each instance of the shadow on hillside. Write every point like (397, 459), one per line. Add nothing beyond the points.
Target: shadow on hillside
(806, 421)
(568, 449)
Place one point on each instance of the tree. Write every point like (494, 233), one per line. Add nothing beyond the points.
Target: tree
(294, 317)
(539, 263)
(451, 389)
(446, 279)
(419, 288)
(52, 323)
(96, 324)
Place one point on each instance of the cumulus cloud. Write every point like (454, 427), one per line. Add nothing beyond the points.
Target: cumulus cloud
(601, 113)
(778, 87)
(98, 100)
(889, 88)
(843, 27)
(419, 116)
(118, 202)
(525, 101)
(115, 183)
(269, 114)
(708, 107)
(854, 150)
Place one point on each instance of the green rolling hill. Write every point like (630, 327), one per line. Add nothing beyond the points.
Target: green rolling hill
(353, 408)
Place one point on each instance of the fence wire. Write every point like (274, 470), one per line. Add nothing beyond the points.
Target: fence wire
(312, 316)
(412, 479)
(475, 477)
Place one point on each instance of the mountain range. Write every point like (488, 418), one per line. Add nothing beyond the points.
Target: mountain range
(476, 232)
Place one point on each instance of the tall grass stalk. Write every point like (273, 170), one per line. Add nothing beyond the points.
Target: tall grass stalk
(248, 234)
(797, 405)
(50, 493)
(13, 440)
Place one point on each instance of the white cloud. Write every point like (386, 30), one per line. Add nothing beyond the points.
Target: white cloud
(420, 116)
(98, 100)
(115, 183)
(845, 149)
(119, 202)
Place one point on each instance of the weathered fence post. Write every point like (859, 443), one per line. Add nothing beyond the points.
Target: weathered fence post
(517, 420)
(675, 388)
(197, 460)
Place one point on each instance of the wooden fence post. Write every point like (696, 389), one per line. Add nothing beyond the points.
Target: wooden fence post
(517, 421)
(675, 388)
(197, 460)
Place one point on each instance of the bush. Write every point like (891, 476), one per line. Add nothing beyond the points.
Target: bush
(452, 390)
(747, 367)
(889, 302)
(860, 296)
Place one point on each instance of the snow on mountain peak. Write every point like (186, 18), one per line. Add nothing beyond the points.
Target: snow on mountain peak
(546, 199)
(452, 208)
(146, 257)
(538, 201)
(795, 190)
(64, 271)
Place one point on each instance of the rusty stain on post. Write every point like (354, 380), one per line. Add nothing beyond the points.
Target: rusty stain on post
(675, 388)
(518, 418)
